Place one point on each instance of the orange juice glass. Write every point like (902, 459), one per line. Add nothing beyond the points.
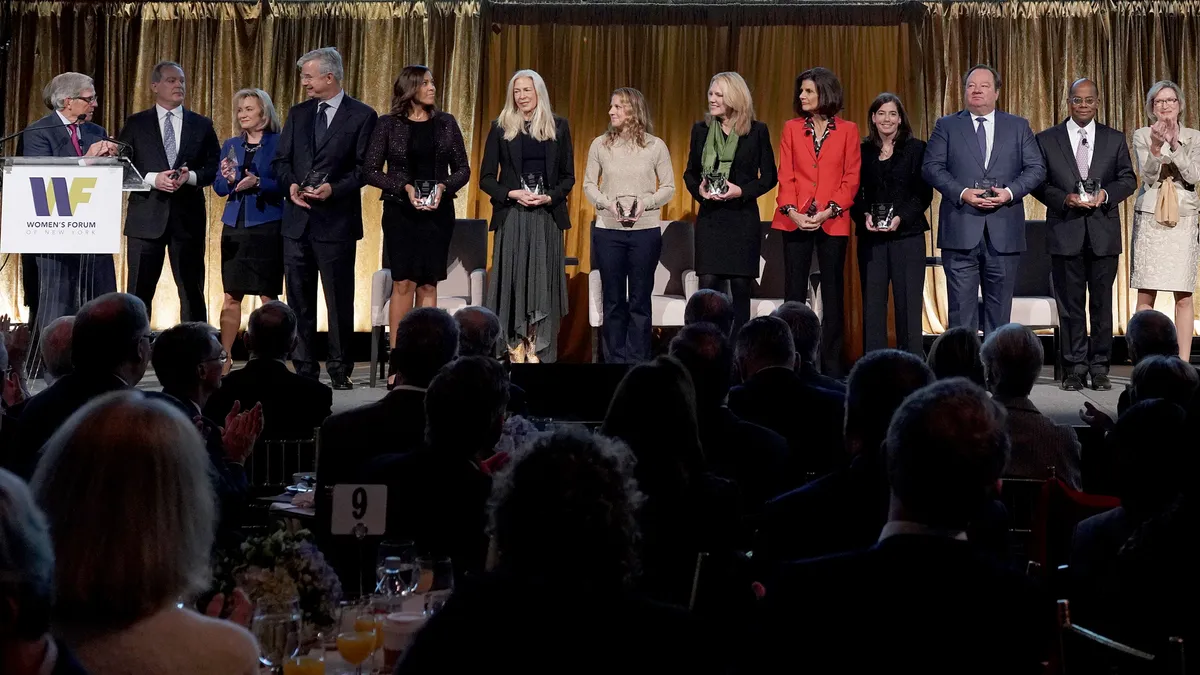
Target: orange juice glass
(356, 647)
(371, 622)
(303, 665)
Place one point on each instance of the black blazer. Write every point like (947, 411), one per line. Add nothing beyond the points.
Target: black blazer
(293, 406)
(1110, 165)
(753, 167)
(47, 137)
(898, 182)
(504, 157)
(47, 411)
(341, 154)
(199, 150)
(810, 418)
(389, 143)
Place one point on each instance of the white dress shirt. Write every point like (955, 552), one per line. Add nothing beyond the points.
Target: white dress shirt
(1073, 130)
(177, 127)
(335, 103)
(989, 132)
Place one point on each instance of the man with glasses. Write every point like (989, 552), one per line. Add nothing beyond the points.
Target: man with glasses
(1088, 175)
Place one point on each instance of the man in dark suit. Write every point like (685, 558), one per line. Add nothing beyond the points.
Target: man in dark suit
(110, 347)
(320, 158)
(65, 280)
(984, 162)
(806, 334)
(1084, 234)
(479, 335)
(293, 406)
(936, 605)
(772, 395)
(176, 150)
(710, 306)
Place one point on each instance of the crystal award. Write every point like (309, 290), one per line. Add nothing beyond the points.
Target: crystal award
(1088, 190)
(882, 214)
(626, 207)
(533, 182)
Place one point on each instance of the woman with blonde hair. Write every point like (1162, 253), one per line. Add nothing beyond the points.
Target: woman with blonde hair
(730, 165)
(628, 178)
(528, 171)
(1166, 239)
(125, 487)
(251, 241)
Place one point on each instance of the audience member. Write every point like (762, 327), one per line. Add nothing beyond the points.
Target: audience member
(110, 349)
(1012, 363)
(1149, 333)
(564, 533)
(709, 306)
(955, 353)
(687, 509)
(1166, 377)
(293, 407)
(15, 343)
(935, 604)
(773, 395)
(806, 334)
(27, 587)
(754, 457)
(56, 349)
(124, 484)
(479, 335)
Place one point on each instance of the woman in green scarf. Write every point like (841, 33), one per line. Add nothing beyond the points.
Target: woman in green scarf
(730, 165)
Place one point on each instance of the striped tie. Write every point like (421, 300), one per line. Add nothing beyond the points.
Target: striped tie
(1081, 154)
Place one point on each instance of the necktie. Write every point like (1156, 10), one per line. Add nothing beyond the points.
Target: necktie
(75, 138)
(1081, 154)
(169, 139)
(982, 136)
(322, 122)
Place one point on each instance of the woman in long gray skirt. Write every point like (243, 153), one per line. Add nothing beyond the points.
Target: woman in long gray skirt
(528, 170)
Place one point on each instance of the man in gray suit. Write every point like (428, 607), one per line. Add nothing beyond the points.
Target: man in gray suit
(1012, 361)
(983, 161)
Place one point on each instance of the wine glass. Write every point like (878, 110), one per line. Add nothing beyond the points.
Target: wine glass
(357, 646)
(276, 626)
(436, 582)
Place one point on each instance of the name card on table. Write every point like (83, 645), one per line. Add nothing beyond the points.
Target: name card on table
(358, 507)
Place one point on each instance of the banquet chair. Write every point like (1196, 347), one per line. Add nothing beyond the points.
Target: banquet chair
(674, 280)
(1092, 652)
(269, 469)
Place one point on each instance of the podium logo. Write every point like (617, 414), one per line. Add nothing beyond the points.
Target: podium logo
(66, 195)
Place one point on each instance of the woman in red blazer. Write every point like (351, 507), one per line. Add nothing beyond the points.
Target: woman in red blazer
(819, 158)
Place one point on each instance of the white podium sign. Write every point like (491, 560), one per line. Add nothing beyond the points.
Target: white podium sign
(61, 208)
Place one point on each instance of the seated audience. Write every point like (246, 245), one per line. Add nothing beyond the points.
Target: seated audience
(1012, 362)
(955, 353)
(56, 349)
(564, 532)
(687, 509)
(806, 334)
(110, 349)
(709, 306)
(479, 335)
(1166, 377)
(773, 395)
(754, 457)
(124, 485)
(27, 587)
(935, 605)
(1149, 333)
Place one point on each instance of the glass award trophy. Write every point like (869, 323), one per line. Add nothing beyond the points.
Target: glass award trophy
(626, 207)
(314, 179)
(717, 184)
(426, 192)
(988, 185)
(1088, 190)
(881, 215)
(231, 157)
(533, 182)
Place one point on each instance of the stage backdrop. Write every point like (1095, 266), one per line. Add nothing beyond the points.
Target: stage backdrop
(918, 51)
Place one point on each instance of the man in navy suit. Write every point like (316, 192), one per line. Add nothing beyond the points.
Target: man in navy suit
(981, 230)
(66, 281)
(320, 158)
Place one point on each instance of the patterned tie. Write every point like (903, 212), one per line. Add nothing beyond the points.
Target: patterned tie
(1081, 154)
(322, 122)
(982, 136)
(169, 139)
(75, 138)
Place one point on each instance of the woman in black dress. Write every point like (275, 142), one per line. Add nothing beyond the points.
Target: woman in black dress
(730, 144)
(426, 166)
(251, 242)
(892, 252)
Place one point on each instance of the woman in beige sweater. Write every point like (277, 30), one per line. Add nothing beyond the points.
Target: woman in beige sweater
(629, 178)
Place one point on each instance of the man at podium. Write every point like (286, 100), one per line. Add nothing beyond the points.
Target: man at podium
(67, 280)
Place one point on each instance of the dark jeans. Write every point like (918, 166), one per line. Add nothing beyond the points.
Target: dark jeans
(737, 289)
(981, 270)
(1074, 277)
(626, 259)
(303, 260)
(901, 263)
(831, 257)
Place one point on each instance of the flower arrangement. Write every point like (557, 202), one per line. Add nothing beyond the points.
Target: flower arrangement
(281, 565)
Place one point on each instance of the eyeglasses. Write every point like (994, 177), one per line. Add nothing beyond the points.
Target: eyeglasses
(1090, 100)
(220, 358)
(87, 99)
(1166, 101)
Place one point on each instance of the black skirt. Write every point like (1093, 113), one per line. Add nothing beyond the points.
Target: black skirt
(728, 239)
(252, 260)
(418, 242)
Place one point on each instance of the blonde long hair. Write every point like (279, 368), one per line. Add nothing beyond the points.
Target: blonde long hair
(639, 123)
(541, 127)
(737, 100)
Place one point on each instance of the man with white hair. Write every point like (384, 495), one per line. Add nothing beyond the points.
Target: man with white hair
(320, 158)
(56, 348)
(64, 281)
(27, 587)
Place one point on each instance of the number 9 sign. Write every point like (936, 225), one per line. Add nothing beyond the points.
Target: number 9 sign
(359, 505)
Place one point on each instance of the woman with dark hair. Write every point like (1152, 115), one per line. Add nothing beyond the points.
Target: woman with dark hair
(891, 251)
(818, 180)
(955, 353)
(426, 163)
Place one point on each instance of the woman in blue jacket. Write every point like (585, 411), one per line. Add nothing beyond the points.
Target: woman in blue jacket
(251, 243)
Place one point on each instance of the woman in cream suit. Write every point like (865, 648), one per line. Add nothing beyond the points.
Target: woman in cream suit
(1166, 239)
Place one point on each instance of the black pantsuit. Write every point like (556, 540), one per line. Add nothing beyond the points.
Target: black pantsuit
(831, 258)
(626, 257)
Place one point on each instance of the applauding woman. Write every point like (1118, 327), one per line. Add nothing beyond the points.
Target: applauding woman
(628, 178)
(818, 177)
(730, 165)
(528, 171)
(251, 242)
(890, 213)
(426, 167)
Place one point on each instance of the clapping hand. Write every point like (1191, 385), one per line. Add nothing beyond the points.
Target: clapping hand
(1095, 418)
(241, 610)
(249, 182)
(241, 431)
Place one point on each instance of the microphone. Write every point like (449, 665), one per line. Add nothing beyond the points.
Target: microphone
(78, 120)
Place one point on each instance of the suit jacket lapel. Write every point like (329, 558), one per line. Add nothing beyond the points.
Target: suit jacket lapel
(807, 142)
(552, 161)
(967, 129)
(339, 118)
(190, 136)
(1099, 152)
(1064, 142)
(156, 135)
(62, 137)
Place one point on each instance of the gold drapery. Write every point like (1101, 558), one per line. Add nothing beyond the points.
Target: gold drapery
(918, 52)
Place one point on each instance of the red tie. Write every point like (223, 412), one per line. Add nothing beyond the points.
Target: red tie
(75, 138)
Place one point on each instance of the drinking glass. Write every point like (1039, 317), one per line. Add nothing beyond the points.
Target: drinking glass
(357, 646)
(304, 665)
(436, 582)
(395, 569)
(276, 626)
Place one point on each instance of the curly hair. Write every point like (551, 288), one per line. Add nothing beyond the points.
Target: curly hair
(566, 505)
(639, 123)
